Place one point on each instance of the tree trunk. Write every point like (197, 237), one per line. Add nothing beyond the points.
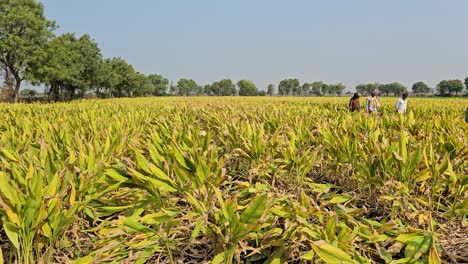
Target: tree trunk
(15, 95)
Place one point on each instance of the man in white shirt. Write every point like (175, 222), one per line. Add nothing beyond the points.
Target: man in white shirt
(401, 103)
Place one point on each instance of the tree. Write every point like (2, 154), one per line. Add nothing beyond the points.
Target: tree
(420, 88)
(336, 88)
(104, 78)
(124, 80)
(24, 33)
(247, 88)
(89, 58)
(224, 87)
(466, 82)
(159, 84)
(173, 88)
(367, 88)
(392, 88)
(70, 65)
(289, 86)
(306, 89)
(325, 89)
(207, 89)
(28, 92)
(144, 86)
(187, 87)
(447, 87)
(317, 88)
(270, 89)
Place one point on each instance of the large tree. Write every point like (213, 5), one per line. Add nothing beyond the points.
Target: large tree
(447, 87)
(270, 89)
(392, 88)
(367, 88)
(159, 84)
(420, 88)
(24, 33)
(71, 65)
(336, 88)
(224, 87)
(124, 80)
(247, 88)
(187, 87)
(289, 86)
(316, 88)
(306, 89)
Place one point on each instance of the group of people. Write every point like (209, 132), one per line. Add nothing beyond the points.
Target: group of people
(373, 104)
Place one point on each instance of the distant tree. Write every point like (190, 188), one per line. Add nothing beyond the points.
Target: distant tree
(247, 88)
(186, 87)
(306, 88)
(420, 88)
(173, 89)
(144, 85)
(366, 89)
(159, 84)
(392, 88)
(317, 88)
(124, 78)
(325, 89)
(361, 89)
(271, 89)
(466, 82)
(104, 78)
(28, 92)
(24, 33)
(289, 86)
(447, 87)
(296, 88)
(336, 88)
(207, 89)
(224, 87)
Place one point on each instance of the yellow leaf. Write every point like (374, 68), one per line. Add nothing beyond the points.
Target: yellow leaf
(72, 194)
(13, 217)
(331, 254)
(47, 230)
(433, 256)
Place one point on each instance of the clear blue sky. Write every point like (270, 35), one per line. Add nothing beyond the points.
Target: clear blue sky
(349, 41)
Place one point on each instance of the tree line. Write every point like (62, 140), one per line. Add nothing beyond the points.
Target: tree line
(71, 66)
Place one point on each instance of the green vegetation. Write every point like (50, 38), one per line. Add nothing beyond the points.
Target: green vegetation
(232, 180)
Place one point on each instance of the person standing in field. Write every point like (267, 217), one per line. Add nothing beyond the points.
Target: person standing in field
(372, 103)
(354, 103)
(401, 104)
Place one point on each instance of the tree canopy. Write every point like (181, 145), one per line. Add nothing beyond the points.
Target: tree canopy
(24, 33)
(448, 87)
(420, 88)
(247, 88)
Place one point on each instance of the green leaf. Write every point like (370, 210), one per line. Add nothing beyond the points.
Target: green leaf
(331, 254)
(7, 191)
(309, 255)
(12, 234)
(254, 210)
(84, 260)
(219, 258)
(339, 198)
(138, 227)
(7, 155)
(196, 230)
(415, 236)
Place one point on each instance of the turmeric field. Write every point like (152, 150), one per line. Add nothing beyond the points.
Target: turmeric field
(233, 180)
